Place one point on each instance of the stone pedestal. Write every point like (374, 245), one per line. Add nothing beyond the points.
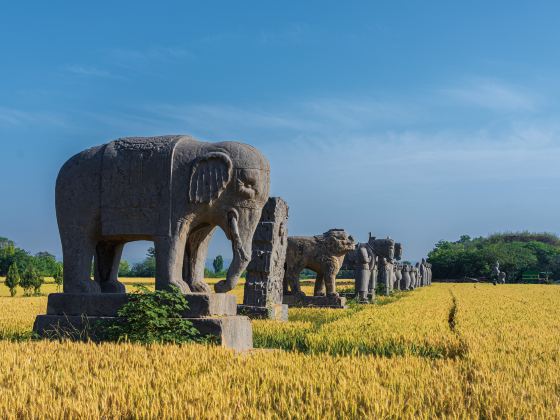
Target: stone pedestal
(276, 311)
(76, 315)
(315, 301)
(262, 297)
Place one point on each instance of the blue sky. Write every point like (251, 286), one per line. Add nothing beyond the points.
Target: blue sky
(418, 120)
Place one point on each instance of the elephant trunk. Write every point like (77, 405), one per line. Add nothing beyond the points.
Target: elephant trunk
(241, 257)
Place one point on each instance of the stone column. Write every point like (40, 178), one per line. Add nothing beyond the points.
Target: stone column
(262, 297)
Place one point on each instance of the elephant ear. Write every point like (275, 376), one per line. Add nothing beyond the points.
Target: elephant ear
(210, 174)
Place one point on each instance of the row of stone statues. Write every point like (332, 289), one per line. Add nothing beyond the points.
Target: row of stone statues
(377, 268)
(273, 275)
(375, 263)
(175, 191)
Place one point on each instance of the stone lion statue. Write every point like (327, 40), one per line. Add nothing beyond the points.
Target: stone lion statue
(321, 253)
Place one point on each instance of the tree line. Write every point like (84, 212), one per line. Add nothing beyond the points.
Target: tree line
(147, 267)
(518, 253)
(27, 271)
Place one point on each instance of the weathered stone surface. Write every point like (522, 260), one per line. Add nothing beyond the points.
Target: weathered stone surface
(234, 332)
(265, 272)
(108, 304)
(336, 302)
(406, 280)
(172, 190)
(323, 254)
(277, 311)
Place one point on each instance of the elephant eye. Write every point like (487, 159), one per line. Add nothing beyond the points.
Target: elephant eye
(246, 188)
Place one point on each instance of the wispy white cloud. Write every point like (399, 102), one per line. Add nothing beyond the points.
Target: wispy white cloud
(90, 71)
(18, 117)
(493, 95)
(156, 53)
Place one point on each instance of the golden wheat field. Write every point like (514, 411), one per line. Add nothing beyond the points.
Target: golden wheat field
(449, 350)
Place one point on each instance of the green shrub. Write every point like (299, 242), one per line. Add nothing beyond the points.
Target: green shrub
(31, 280)
(58, 276)
(153, 317)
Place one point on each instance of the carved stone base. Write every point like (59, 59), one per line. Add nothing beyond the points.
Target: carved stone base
(315, 301)
(370, 296)
(78, 316)
(108, 304)
(278, 312)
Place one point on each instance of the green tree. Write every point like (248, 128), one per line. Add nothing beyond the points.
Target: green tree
(27, 281)
(12, 279)
(59, 276)
(38, 281)
(45, 263)
(124, 269)
(516, 252)
(146, 268)
(218, 264)
(10, 254)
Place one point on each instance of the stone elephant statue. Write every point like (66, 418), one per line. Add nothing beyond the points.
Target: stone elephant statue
(172, 190)
(323, 254)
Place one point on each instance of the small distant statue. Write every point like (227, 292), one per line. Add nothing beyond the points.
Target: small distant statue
(362, 271)
(502, 277)
(498, 277)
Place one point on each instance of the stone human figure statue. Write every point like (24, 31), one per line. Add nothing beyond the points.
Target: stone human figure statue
(424, 272)
(405, 277)
(418, 275)
(374, 274)
(397, 276)
(362, 272)
(386, 271)
(384, 249)
(502, 277)
(413, 278)
(496, 272)
(430, 273)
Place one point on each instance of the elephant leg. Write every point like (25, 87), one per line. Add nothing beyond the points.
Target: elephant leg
(107, 259)
(169, 264)
(286, 289)
(194, 260)
(319, 289)
(292, 280)
(77, 252)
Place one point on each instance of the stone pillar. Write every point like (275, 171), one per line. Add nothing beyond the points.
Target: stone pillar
(263, 293)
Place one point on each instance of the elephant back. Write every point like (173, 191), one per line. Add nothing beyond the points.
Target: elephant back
(136, 185)
(383, 247)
